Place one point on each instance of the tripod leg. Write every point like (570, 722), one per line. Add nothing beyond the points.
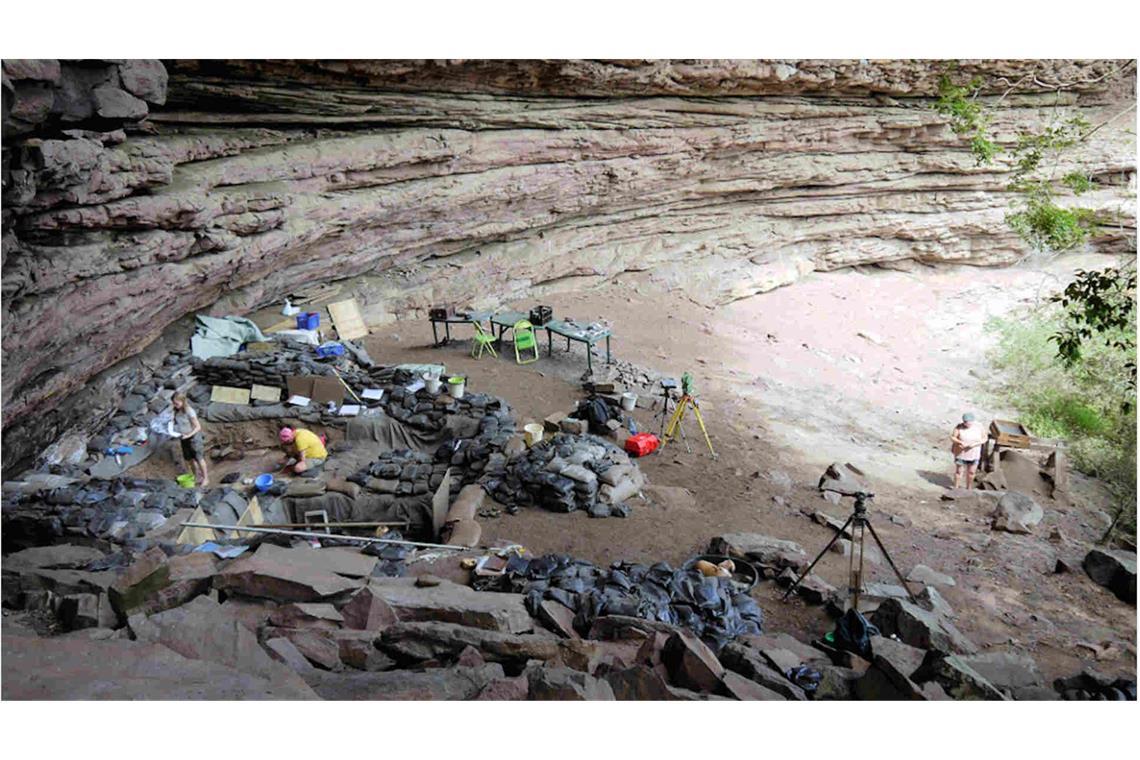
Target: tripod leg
(671, 429)
(701, 422)
(681, 429)
(891, 562)
(819, 556)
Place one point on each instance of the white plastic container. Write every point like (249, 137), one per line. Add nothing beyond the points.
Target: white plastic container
(533, 433)
(455, 386)
(432, 383)
(628, 401)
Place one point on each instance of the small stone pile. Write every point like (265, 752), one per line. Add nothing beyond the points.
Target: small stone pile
(711, 607)
(569, 472)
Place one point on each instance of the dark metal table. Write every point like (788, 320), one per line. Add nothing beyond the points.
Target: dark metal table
(578, 333)
(468, 318)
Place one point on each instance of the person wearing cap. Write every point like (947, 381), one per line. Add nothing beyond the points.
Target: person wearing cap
(966, 445)
(305, 449)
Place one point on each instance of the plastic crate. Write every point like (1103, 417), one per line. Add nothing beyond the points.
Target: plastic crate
(330, 349)
(641, 444)
(308, 320)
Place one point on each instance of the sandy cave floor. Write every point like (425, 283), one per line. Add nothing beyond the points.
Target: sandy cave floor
(787, 385)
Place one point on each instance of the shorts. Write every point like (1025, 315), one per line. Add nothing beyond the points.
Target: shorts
(192, 447)
(312, 467)
(965, 462)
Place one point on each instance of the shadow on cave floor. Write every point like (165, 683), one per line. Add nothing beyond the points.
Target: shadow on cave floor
(940, 479)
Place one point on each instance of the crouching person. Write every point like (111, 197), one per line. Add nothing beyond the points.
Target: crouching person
(305, 451)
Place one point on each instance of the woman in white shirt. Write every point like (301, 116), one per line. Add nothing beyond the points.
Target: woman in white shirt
(966, 445)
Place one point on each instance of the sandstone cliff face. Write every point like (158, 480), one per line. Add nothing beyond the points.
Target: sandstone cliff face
(138, 192)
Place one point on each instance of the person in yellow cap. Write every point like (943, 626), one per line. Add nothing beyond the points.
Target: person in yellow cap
(306, 451)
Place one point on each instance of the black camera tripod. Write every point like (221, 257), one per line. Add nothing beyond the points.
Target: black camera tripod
(859, 523)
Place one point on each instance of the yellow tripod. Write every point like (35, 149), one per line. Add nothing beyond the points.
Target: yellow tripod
(674, 426)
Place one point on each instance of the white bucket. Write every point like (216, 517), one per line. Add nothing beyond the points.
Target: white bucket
(533, 433)
(432, 383)
(455, 386)
(628, 401)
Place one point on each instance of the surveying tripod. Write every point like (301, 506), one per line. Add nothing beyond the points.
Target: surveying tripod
(859, 523)
(686, 401)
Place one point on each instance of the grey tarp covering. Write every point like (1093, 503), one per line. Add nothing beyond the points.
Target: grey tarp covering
(107, 468)
(368, 507)
(218, 412)
(391, 434)
(222, 336)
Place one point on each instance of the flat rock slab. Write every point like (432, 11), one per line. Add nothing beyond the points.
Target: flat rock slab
(763, 549)
(451, 603)
(905, 658)
(926, 576)
(334, 559)
(1006, 670)
(562, 684)
(432, 640)
(63, 668)
(743, 689)
(783, 651)
(56, 557)
(434, 684)
(205, 630)
(284, 575)
(956, 678)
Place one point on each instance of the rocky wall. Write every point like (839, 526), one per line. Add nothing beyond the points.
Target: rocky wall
(139, 192)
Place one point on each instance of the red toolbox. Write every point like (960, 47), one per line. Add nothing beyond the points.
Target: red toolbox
(642, 444)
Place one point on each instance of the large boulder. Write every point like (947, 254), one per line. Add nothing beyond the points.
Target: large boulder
(451, 603)
(562, 684)
(1016, 513)
(956, 677)
(154, 583)
(1115, 570)
(435, 684)
(884, 681)
(1008, 671)
(764, 550)
(752, 665)
(915, 626)
(419, 641)
(82, 669)
(691, 663)
(290, 575)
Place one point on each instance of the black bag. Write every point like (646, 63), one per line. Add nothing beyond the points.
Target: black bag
(853, 633)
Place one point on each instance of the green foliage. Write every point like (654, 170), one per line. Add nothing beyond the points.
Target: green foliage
(967, 117)
(1099, 306)
(1035, 214)
(1088, 402)
(1077, 182)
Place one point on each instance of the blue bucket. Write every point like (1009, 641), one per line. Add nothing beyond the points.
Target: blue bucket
(263, 482)
(308, 320)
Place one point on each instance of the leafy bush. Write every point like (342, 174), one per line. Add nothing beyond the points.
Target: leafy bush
(1090, 403)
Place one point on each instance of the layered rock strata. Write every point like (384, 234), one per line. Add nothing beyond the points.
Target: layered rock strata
(138, 192)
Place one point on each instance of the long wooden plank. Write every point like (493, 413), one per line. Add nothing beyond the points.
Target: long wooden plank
(347, 319)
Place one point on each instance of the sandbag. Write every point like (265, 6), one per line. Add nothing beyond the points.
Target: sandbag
(615, 474)
(343, 486)
(467, 504)
(626, 489)
(463, 533)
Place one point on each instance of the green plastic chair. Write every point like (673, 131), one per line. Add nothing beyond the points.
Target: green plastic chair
(525, 340)
(482, 341)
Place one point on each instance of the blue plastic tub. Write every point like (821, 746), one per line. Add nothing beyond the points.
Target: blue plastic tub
(330, 349)
(263, 482)
(308, 320)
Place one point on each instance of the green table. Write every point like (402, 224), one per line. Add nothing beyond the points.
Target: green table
(505, 320)
(579, 333)
(467, 318)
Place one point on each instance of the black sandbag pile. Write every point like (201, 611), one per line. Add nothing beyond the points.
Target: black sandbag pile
(116, 510)
(488, 415)
(566, 473)
(401, 473)
(288, 358)
(711, 607)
